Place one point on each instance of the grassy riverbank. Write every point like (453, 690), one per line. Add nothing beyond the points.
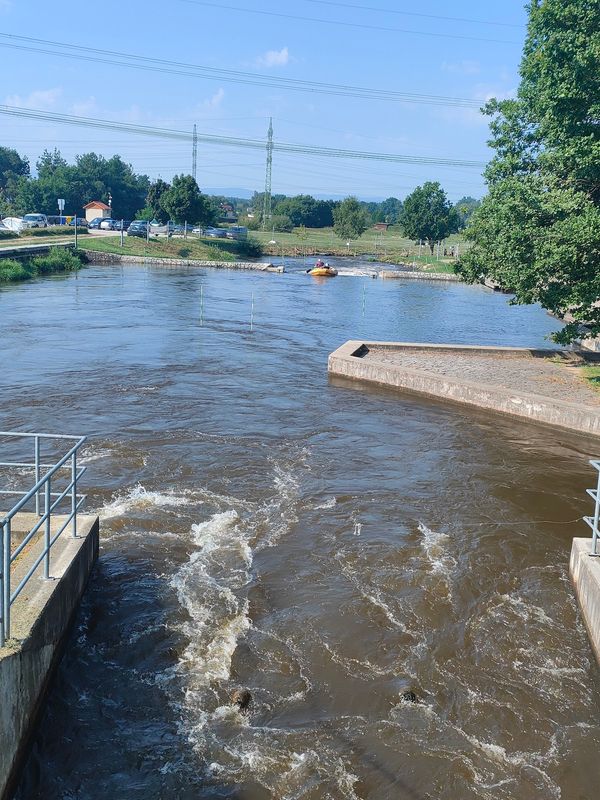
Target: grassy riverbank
(388, 247)
(192, 248)
(59, 260)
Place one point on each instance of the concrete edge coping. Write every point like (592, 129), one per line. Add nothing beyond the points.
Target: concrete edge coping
(351, 349)
(37, 593)
(584, 570)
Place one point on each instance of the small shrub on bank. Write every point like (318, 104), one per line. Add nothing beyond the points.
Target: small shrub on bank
(250, 247)
(57, 260)
(8, 235)
(12, 270)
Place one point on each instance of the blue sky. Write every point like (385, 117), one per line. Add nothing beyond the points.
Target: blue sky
(366, 43)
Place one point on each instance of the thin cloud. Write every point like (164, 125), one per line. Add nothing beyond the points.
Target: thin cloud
(274, 58)
(464, 67)
(43, 99)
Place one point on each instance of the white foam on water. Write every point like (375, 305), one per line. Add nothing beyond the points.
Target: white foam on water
(139, 498)
(435, 546)
(89, 455)
(331, 502)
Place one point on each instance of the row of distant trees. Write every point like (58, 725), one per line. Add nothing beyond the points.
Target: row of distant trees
(429, 203)
(94, 177)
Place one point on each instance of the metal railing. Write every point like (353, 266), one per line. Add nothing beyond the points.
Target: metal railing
(593, 521)
(40, 496)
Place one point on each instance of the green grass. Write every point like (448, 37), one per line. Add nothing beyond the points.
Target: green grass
(389, 247)
(58, 260)
(40, 235)
(592, 376)
(192, 248)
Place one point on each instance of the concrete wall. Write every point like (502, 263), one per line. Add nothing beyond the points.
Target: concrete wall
(347, 362)
(96, 257)
(42, 616)
(585, 574)
(423, 275)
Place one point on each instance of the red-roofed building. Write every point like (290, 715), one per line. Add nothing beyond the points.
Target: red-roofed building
(96, 209)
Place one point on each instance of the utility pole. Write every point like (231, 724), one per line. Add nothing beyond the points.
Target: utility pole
(194, 152)
(267, 196)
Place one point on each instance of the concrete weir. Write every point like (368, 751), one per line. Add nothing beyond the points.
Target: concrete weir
(40, 621)
(585, 574)
(536, 384)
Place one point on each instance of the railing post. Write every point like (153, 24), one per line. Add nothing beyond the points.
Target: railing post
(74, 494)
(2, 587)
(6, 580)
(37, 473)
(47, 532)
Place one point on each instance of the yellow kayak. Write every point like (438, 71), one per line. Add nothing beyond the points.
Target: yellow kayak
(325, 272)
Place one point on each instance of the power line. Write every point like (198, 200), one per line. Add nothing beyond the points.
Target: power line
(231, 141)
(415, 14)
(341, 23)
(150, 64)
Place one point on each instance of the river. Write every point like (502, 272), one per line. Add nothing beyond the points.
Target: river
(326, 545)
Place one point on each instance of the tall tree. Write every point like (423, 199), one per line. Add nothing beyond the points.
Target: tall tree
(350, 219)
(465, 208)
(428, 214)
(184, 202)
(12, 166)
(153, 198)
(538, 230)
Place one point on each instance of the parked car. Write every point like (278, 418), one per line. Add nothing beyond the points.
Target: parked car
(138, 227)
(95, 223)
(81, 222)
(215, 233)
(13, 224)
(35, 221)
(109, 224)
(237, 232)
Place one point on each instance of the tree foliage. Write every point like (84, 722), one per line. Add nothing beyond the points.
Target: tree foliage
(465, 208)
(538, 230)
(183, 202)
(350, 219)
(428, 214)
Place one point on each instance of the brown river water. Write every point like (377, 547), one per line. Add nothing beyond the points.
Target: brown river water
(326, 545)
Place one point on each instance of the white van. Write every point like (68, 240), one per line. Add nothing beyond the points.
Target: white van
(35, 221)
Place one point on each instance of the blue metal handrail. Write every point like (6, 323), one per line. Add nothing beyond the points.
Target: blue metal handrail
(43, 474)
(594, 521)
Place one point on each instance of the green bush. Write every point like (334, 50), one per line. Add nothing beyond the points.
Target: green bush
(57, 260)
(55, 230)
(250, 247)
(8, 235)
(12, 270)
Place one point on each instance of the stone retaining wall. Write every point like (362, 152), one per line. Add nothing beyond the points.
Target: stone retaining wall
(117, 258)
(420, 276)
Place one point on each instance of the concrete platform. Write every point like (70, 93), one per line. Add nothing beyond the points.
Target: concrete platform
(541, 385)
(40, 621)
(585, 574)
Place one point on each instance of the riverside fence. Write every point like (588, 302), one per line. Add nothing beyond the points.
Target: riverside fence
(46, 496)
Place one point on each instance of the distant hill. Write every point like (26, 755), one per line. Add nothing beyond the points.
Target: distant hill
(244, 194)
